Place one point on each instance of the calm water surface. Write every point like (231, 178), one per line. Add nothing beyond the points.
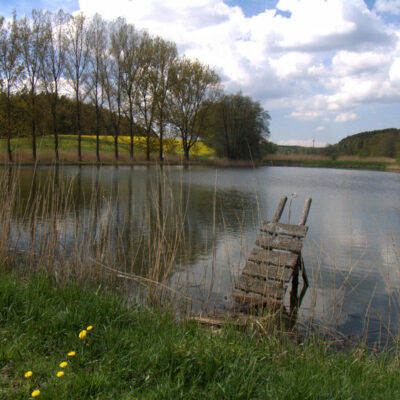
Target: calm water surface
(351, 252)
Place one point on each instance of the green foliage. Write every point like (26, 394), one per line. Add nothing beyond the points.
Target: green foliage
(237, 127)
(379, 143)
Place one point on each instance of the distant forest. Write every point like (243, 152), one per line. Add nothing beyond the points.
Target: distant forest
(378, 143)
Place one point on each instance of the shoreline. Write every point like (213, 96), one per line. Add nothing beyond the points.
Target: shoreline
(223, 163)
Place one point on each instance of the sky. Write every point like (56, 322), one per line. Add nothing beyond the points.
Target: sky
(323, 69)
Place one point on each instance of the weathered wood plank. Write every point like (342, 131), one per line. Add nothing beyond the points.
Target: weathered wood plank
(276, 257)
(279, 242)
(279, 209)
(242, 297)
(306, 210)
(268, 272)
(274, 289)
(284, 229)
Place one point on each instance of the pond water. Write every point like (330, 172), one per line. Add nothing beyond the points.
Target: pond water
(351, 252)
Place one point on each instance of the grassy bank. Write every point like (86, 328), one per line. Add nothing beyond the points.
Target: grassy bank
(135, 352)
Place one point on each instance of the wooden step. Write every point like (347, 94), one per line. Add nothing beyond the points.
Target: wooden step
(278, 257)
(267, 241)
(242, 297)
(278, 228)
(271, 289)
(266, 271)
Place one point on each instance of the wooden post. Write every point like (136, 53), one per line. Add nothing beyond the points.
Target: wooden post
(306, 210)
(279, 210)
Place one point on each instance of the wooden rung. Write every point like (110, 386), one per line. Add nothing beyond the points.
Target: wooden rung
(284, 229)
(279, 209)
(306, 210)
(274, 289)
(279, 242)
(251, 298)
(268, 272)
(279, 258)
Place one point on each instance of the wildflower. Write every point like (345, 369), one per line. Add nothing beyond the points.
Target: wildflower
(35, 393)
(71, 354)
(63, 364)
(60, 374)
(89, 328)
(82, 334)
(28, 374)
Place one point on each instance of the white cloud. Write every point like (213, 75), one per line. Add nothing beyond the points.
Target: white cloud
(320, 128)
(303, 115)
(346, 117)
(388, 6)
(325, 60)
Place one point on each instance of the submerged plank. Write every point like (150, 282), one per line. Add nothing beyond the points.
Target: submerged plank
(279, 242)
(269, 272)
(279, 228)
(279, 258)
(252, 299)
(274, 289)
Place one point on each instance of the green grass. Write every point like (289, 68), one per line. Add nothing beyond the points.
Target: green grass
(142, 353)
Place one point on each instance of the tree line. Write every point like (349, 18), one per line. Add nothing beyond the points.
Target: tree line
(132, 83)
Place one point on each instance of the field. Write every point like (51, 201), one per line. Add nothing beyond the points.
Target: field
(68, 148)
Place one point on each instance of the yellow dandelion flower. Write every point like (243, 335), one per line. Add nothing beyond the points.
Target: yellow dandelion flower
(71, 354)
(89, 328)
(63, 364)
(35, 393)
(28, 374)
(82, 334)
(60, 374)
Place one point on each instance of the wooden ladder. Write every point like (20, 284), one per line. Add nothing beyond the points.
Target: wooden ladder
(270, 265)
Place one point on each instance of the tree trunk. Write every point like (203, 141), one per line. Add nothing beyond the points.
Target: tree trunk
(54, 112)
(116, 147)
(9, 130)
(33, 121)
(97, 133)
(148, 146)
(78, 127)
(131, 129)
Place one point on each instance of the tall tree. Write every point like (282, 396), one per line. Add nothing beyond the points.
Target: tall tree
(147, 87)
(192, 84)
(32, 34)
(130, 70)
(236, 127)
(76, 67)
(98, 45)
(10, 71)
(165, 54)
(113, 76)
(53, 64)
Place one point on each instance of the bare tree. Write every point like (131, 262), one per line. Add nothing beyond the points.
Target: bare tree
(113, 77)
(10, 71)
(53, 64)
(191, 84)
(147, 87)
(98, 46)
(165, 54)
(76, 67)
(32, 34)
(130, 71)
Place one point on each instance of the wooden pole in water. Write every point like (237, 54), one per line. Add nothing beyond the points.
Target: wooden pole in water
(306, 210)
(279, 210)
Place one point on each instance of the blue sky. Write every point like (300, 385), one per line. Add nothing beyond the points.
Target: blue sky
(324, 69)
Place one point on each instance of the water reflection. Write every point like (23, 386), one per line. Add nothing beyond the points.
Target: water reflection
(197, 224)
